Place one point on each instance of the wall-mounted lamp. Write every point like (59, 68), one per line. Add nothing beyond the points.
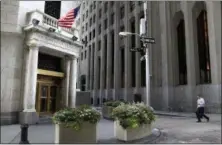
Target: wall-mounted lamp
(35, 22)
(74, 38)
(51, 29)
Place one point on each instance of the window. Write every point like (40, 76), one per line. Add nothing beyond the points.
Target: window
(122, 9)
(181, 44)
(90, 36)
(105, 24)
(94, 18)
(87, 14)
(122, 67)
(90, 22)
(106, 7)
(100, 13)
(99, 45)
(112, 19)
(83, 17)
(86, 39)
(81, 56)
(203, 48)
(83, 5)
(82, 29)
(105, 61)
(85, 54)
(133, 55)
(112, 47)
(94, 33)
(94, 4)
(111, 3)
(99, 28)
(140, 2)
(132, 5)
(91, 8)
(86, 26)
(52, 8)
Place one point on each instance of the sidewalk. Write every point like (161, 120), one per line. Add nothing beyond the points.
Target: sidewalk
(44, 133)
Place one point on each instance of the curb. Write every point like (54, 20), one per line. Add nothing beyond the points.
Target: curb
(174, 115)
(153, 138)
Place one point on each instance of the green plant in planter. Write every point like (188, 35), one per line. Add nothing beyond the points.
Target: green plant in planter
(114, 103)
(133, 115)
(74, 117)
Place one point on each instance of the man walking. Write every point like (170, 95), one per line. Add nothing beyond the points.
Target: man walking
(200, 109)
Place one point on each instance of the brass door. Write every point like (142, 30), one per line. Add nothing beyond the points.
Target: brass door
(46, 98)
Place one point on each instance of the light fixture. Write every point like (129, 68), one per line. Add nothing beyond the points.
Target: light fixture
(35, 22)
(51, 29)
(74, 38)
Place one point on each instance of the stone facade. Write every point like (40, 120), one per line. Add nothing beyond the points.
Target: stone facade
(163, 17)
(21, 44)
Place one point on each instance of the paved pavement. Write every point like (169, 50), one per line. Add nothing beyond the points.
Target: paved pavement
(174, 130)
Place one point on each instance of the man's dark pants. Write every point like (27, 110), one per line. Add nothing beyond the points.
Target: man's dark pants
(200, 114)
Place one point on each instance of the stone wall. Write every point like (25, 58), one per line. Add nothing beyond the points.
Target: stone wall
(11, 76)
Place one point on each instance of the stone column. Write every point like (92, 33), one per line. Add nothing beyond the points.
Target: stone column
(127, 61)
(214, 32)
(117, 73)
(165, 48)
(72, 82)
(29, 114)
(138, 62)
(67, 79)
(190, 51)
(109, 64)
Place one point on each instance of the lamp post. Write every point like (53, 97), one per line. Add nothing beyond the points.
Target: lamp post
(146, 40)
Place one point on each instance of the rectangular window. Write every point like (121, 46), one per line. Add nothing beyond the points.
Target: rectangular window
(113, 50)
(105, 61)
(83, 17)
(87, 14)
(112, 19)
(94, 33)
(133, 55)
(122, 67)
(182, 53)
(105, 24)
(100, 13)
(122, 12)
(91, 8)
(132, 5)
(106, 7)
(82, 29)
(94, 4)
(90, 22)
(99, 45)
(53, 8)
(99, 28)
(94, 18)
(90, 36)
(82, 56)
(86, 26)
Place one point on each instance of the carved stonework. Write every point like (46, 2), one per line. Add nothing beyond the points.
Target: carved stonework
(54, 41)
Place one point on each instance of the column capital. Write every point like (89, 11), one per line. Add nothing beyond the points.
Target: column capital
(32, 44)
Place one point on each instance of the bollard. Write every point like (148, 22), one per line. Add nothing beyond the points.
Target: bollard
(24, 134)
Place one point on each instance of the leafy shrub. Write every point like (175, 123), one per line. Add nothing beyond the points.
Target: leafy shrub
(114, 103)
(133, 115)
(74, 117)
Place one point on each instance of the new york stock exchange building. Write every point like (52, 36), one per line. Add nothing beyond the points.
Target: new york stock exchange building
(38, 62)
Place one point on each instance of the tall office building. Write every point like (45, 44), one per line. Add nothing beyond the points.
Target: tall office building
(185, 61)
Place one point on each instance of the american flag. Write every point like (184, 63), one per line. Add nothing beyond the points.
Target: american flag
(69, 18)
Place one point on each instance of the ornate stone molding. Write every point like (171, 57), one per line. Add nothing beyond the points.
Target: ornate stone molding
(41, 40)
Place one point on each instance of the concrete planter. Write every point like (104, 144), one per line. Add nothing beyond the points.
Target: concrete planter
(87, 134)
(131, 134)
(107, 112)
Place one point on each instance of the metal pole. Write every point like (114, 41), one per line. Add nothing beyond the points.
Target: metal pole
(147, 59)
(24, 134)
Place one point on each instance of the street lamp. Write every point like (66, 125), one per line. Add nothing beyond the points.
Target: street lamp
(145, 41)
